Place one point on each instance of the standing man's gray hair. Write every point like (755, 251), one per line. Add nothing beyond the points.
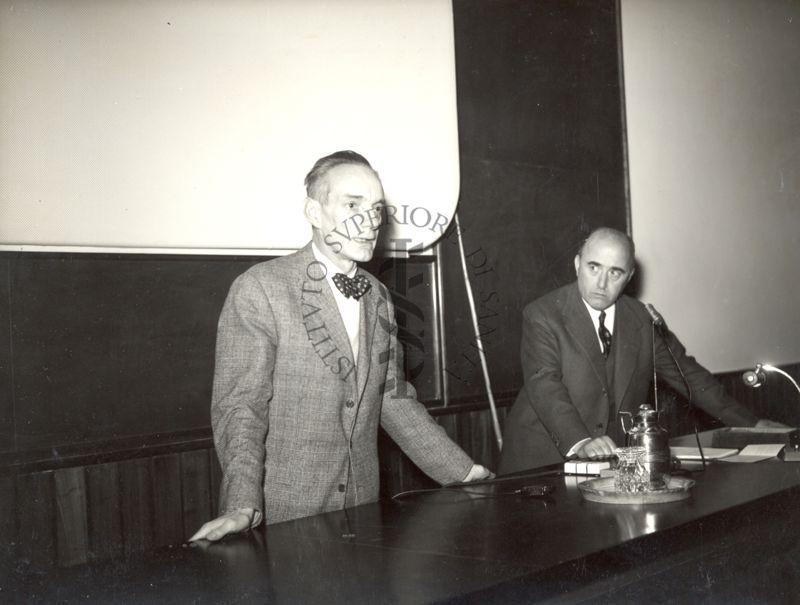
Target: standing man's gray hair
(315, 181)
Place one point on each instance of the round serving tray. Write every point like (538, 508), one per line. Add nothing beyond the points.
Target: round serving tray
(602, 490)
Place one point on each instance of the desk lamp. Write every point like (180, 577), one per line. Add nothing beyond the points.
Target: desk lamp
(755, 378)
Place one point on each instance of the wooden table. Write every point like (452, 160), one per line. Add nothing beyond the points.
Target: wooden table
(733, 541)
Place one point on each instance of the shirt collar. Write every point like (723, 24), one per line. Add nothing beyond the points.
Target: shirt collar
(595, 315)
(330, 268)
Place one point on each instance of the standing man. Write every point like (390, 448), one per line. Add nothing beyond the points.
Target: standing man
(587, 353)
(308, 365)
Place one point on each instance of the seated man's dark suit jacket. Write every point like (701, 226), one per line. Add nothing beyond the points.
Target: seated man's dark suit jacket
(566, 395)
(295, 423)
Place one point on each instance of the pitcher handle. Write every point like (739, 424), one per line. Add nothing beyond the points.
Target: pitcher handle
(622, 420)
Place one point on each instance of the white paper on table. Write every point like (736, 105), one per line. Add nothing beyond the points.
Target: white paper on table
(757, 452)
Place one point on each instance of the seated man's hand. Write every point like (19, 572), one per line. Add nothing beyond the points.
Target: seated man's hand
(223, 525)
(770, 424)
(599, 447)
(478, 472)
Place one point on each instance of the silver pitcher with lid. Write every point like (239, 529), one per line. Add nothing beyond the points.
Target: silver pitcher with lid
(645, 431)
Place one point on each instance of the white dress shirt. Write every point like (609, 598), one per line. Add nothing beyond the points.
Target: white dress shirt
(349, 308)
(608, 323)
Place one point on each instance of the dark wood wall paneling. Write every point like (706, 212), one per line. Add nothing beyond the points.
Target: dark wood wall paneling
(71, 515)
(542, 163)
(89, 511)
(102, 348)
(109, 346)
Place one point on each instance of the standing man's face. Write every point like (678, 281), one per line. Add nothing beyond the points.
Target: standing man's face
(347, 222)
(604, 267)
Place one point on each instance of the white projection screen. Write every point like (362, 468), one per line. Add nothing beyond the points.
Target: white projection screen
(177, 125)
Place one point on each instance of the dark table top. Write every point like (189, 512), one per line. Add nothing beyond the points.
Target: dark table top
(427, 547)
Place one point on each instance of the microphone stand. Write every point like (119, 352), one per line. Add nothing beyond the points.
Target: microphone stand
(658, 327)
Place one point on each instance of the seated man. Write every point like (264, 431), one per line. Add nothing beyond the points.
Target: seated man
(587, 354)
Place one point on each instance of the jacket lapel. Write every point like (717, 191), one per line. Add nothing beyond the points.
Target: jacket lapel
(323, 321)
(626, 349)
(369, 317)
(579, 324)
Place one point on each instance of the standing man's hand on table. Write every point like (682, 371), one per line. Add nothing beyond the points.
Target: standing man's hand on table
(230, 523)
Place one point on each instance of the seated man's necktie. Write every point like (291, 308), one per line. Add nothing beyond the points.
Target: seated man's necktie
(352, 287)
(605, 335)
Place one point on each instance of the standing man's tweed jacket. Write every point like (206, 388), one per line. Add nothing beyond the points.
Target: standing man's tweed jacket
(295, 420)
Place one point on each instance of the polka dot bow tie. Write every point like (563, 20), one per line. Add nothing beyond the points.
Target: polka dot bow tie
(354, 287)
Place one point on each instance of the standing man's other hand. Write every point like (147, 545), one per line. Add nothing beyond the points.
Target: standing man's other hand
(230, 523)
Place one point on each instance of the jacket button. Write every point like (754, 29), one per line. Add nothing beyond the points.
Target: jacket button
(350, 403)
(341, 487)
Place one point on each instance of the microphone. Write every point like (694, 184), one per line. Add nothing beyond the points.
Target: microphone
(754, 378)
(658, 320)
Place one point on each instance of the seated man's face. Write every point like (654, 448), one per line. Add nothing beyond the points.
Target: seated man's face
(350, 216)
(604, 267)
